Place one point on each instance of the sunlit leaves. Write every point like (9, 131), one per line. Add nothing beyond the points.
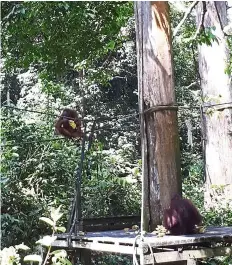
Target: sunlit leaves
(55, 214)
(22, 247)
(47, 220)
(55, 217)
(59, 257)
(60, 229)
(46, 240)
(58, 35)
(207, 36)
(34, 258)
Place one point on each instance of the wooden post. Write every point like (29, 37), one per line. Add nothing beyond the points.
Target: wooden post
(216, 87)
(159, 129)
(85, 256)
(8, 102)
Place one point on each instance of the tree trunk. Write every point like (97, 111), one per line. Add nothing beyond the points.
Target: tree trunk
(216, 89)
(159, 129)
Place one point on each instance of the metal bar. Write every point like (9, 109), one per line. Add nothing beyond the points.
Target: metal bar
(78, 213)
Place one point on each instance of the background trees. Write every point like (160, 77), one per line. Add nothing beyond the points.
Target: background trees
(46, 45)
(216, 87)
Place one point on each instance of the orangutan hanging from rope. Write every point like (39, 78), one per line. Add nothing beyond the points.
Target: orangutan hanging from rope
(68, 124)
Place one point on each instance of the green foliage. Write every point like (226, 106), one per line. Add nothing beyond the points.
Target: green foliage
(59, 39)
(37, 174)
(58, 35)
(228, 70)
(113, 259)
(116, 197)
(223, 260)
(193, 185)
(12, 255)
(218, 216)
(220, 211)
(110, 179)
(207, 36)
(29, 173)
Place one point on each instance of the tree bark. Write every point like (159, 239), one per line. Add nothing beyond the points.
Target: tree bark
(159, 129)
(216, 89)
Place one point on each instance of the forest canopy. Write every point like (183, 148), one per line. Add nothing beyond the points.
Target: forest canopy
(82, 55)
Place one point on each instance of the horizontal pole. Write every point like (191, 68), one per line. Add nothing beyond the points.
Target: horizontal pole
(187, 255)
(96, 246)
(160, 108)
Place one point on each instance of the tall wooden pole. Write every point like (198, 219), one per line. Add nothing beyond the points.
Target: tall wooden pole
(216, 87)
(159, 129)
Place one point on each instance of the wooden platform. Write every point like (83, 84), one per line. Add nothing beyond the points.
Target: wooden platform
(178, 247)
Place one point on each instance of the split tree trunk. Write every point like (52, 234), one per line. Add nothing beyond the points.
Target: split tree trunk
(159, 129)
(216, 89)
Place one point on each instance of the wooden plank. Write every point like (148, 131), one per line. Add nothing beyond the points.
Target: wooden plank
(110, 223)
(116, 219)
(96, 246)
(187, 254)
(85, 256)
(105, 227)
(212, 234)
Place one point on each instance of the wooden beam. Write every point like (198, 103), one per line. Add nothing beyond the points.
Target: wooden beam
(187, 255)
(145, 212)
(96, 246)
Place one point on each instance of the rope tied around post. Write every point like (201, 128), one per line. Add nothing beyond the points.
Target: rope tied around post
(141, 240)
(217, 106)
(160, 108)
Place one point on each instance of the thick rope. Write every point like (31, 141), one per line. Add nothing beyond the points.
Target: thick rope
(141, 239)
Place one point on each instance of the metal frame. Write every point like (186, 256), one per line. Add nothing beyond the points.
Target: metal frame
(216, 241)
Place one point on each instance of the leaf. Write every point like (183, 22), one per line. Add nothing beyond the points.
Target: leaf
(67, 262)
(47, 240)
(34, 257)
(58, 252)
(55, 214)
(61, 229)
(47, 220)
(22, 247)
(14, 148)
(111, 45)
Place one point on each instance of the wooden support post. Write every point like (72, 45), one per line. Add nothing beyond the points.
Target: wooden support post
(191, 262)
(159, 128)
(181, 262)
(78, 214)
(85, 256)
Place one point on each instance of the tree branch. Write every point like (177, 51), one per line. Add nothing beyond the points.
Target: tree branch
(218, 15)
(11, 13)
(192, 85)
(194, 3)
(201, 24)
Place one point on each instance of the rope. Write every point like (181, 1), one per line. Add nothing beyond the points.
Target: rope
(34, 142)
(160, 108)
(216, 104)
(154, 108)
(135, 261)
(71, 118)
(141, 239)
